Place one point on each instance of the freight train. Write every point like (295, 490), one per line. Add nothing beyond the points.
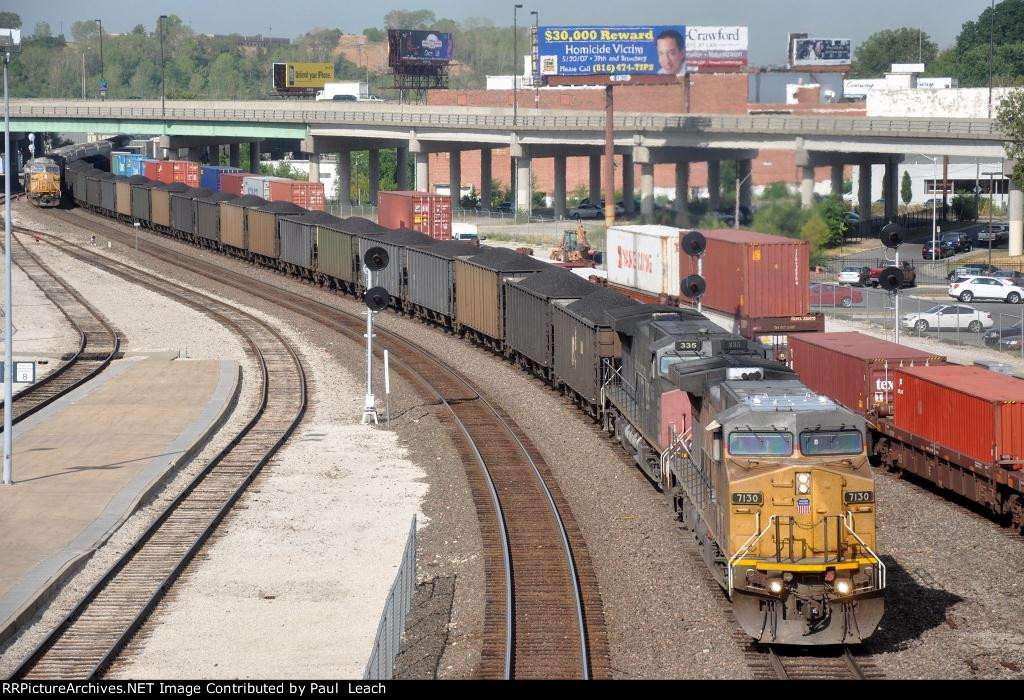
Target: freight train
(771, 479)
(46, 176)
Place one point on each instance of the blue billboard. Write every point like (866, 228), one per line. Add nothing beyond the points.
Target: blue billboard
(596, 51)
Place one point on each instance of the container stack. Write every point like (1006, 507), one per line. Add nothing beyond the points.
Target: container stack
(420, 211)
(231, 183)
(308, 195)
(126, 164)
(209, 176)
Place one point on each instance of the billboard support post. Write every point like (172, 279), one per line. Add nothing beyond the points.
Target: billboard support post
(609, 156)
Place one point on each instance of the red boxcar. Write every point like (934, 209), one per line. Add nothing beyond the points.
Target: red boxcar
(852, 368)
(232, 182)
(753, 275)
(968, 409)
(308, 195)
(421, 211)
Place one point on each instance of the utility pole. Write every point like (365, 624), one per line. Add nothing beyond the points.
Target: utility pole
(103, 81)
(163, 113)
(10, 39)
(533, 65)
(515, 62)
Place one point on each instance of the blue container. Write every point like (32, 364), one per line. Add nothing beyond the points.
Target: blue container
(209, 176)
(126, 164)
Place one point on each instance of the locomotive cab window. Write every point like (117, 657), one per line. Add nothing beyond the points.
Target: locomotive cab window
(832, 442)
(760, 443)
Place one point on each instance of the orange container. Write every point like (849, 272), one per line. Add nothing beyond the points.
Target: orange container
(973, 411)
(183, 171)
(308, 195)
(753, 275)
(421, 211)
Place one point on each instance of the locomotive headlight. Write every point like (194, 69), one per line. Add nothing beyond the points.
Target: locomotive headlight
(843, 586)
(803, 482)
(775, 586)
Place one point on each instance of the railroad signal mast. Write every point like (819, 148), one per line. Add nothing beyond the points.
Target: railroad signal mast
(376, 299)
(891, 278)
(694, 286)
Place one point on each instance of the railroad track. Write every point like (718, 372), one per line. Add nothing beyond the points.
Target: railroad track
(87, 641)
(828, 663)
(98, 343)
(543, 615)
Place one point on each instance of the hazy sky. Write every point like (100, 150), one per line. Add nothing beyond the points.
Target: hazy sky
(769, 20)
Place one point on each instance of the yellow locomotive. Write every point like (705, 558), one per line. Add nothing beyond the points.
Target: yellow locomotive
(772, 479)
(42, 182)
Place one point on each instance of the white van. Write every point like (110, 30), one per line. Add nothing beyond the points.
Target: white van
(465, 232)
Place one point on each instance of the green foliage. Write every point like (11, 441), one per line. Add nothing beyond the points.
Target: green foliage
(710, 221)
(968, 60)
(410, 19)
(283, 169)
(470, 201)
(832, 212)
(577, 195)
(847, 186)
(774, 191)
(499, 195)
(906, 188)
(965, 206)
(781, 218)
(539, 199)
(816, 232)
(10, 20)
(879, 51)
(1011, 120)
(374, 34)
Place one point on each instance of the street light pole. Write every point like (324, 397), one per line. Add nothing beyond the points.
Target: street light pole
(10, 39)
(533, 68)
(991, 51)
(935, 177)
(160, 21)
(515, 61)
(739, 183)
(102, 77)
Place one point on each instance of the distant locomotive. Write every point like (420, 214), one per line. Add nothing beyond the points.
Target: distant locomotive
(772, 479)
(42, 182)
(50, 169)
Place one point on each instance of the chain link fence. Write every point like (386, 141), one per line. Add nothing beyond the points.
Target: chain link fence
(381, 665)
(943, 319)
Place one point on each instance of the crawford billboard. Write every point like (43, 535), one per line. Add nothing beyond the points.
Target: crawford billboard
(716, 48)
(821, 52)
(611, 51)
(409, 46)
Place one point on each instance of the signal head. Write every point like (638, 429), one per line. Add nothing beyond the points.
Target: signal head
(376, 298)
(694, 244)
(891, 278)
(693, 287)
(376, 258)
(892, 235)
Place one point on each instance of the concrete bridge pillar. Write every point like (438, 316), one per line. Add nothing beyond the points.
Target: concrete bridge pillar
(628, 188)
(864, 197)
(892, 187)
(374, 174)
(682, 193)
(1015, 211)
(422, 172)
(714, 185)
(647, 192)
(595, 180)
(314, 167)
(744, 170)
(345, 178)
(455, 179)
(524, 188)
(807, 186)
(235, 155)
(402, 168)
(485, 178)
(254, 157)
(837, 180)
(172, 154)
(561, 209)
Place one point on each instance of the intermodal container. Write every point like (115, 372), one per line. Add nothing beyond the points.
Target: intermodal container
(584, 338)
(308, 195)
(420, 211)
(208, 215)
(259, 185)
(262, 227)
(970, 410)
(151, 169)
(183, 171)
(393, 277)
(232, 183)
(753, 275)
(480, 288)
(854, 369)
(644, 258)
(298, 237)
(338, 251)
(126, 164)
(209, 176)
(528, 325)
(431, 287)
(233, 224)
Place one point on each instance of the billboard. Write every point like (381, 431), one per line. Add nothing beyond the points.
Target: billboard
(821, 52)
(716, 48)
(302, 78)
(408, 46)
(598, 51)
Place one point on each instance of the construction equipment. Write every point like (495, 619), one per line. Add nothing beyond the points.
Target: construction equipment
(575, 249)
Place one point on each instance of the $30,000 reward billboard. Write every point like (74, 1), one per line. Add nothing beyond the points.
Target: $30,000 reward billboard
(596, 51)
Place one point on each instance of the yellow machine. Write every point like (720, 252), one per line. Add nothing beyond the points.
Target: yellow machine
(42, 182)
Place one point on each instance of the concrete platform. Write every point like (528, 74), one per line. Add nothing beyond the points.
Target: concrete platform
(85, 463)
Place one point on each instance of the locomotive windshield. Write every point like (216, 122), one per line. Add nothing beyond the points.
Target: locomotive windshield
(761, 443)
(838, 442)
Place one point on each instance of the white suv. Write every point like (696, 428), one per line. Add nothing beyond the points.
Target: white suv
(986, 288)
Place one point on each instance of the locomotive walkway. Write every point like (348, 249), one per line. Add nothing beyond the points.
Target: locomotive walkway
(83, 464)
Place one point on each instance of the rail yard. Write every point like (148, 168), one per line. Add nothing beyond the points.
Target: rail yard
(256, 430)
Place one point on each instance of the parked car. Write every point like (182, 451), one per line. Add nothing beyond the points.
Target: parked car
(971, 269)
(1005, 338)
(1014, 276)
(944, 250)
(960, 240)
(986, 288)
(948, 317)
(727, 215)
(855, 276)
(997, 233)
(835, 295)
(909, 274)
(586, 211)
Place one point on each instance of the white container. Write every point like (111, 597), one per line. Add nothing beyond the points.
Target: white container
(259, 185)
(644, 258)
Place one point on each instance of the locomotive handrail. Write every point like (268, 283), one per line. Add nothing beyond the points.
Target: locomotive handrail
(671, 451)
(742, 551)
(848, 522)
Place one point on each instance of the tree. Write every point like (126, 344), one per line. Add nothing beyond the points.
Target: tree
(84, 30)
(832, 212)
(1010, 117)
(776, 190)
(410, 19)
(1003, 26)
(815, 231)
(781, 218)
(42, 30)
(10, 20)
(906, 188)
(965, 206)
(879, 51)
(373, 34)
